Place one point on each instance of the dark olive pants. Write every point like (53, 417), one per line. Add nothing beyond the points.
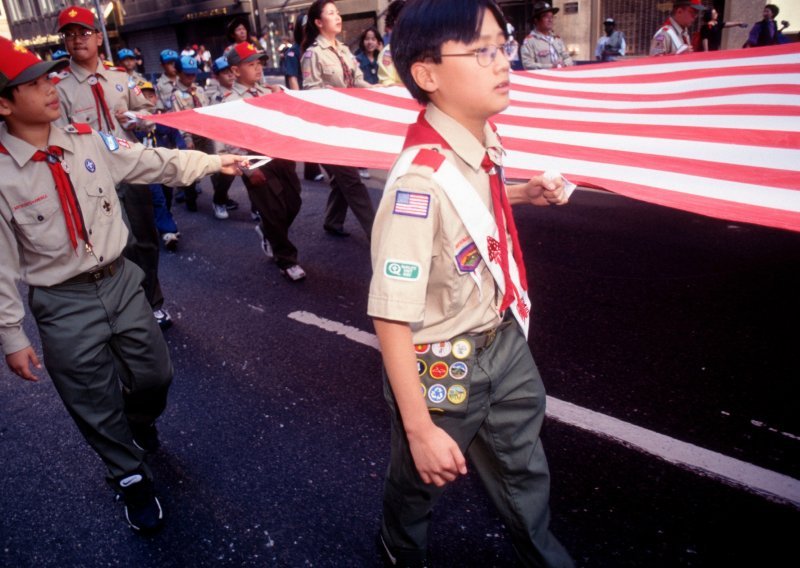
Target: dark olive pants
(107, 359)
(500, 436)
(347, 190)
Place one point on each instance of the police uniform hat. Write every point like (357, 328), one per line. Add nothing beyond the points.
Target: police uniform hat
(19, 65)
(168, 55)
(187, 64)
(144, 84)
(125, 53)
(540, 8)
(696, 4)
(244, 52)
(610, 21)
(220, 64)
(77, 15)
(60, 54)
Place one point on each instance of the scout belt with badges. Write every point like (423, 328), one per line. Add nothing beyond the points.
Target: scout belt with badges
(445, 370)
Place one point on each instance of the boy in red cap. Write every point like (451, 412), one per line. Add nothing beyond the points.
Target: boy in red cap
(61, 232)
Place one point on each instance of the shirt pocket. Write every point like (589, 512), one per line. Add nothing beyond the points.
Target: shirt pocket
(42, 226)
(330, 71)
(101, 205)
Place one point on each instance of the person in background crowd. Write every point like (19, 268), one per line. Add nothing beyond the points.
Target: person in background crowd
(189, 51)
(387, 74)
(160, 136)
(101, 97)
(218, 90)
(274, 188)
(513, 58)
(673, 38)
(543, 49)
(611, 46)
(127, 59)
(237, 31)
(711, 30)
(168, 79)
(766, 32)
(290, 66)
(203, 58)
(60, 54)
(367, 55)
(328, 63)
(139, 61)
(103, 351)
(186, 96)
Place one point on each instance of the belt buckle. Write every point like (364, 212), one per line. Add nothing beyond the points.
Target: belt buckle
(96, 275)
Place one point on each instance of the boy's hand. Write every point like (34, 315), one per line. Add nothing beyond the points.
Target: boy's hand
(19, 362)
(437, 457)
(231, 164)
(256, 177)
(125, 120)
(539, 190)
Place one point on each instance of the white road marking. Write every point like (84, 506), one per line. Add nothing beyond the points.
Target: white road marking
(772, 485)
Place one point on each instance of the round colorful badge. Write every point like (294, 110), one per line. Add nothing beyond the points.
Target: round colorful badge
(462, 348)
(437, 394)
(459, 370)
(422, 348)
(421, 367)
(439, 370)
(441, 349)
(457, 394)
(90, 166)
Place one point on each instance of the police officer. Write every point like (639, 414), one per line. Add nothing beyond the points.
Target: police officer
(328, 63)
(100, 97)
(542, 49)
(166, 82)
(674, 38)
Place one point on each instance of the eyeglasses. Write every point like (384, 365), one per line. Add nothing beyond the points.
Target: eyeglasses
(486, 55)
(72, 35)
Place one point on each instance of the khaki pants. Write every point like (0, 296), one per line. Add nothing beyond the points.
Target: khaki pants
(500, 436)
(107, 359)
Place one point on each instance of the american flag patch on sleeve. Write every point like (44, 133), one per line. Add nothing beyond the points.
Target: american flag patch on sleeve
(411, 204)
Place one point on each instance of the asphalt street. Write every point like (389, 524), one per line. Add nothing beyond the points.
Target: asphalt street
(275, 440)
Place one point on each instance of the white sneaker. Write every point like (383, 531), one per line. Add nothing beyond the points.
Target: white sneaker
(319, 177)
(364, 173)
(294, 272)
(170, 241)
(265, 246)
(220, 211)
(255, 216)
(163, 318)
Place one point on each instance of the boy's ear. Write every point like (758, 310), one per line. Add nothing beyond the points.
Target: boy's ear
(424, 75)
(235, 70)
(5, 107)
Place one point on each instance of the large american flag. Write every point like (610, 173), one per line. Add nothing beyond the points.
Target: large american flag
(713, 133)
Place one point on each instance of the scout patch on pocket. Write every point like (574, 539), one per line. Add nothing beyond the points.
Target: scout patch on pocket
(444, 372)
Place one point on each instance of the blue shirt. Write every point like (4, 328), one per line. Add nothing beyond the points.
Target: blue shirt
(290, 63)
(368, 68)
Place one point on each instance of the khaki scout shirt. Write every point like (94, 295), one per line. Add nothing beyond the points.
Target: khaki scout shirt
(134, 79)
(182, 100)
(540, 51)
(164, 88)
(323, 70)
(78, 104)
(240, 91)
(663, 42)
(439, 301)
(34, 244)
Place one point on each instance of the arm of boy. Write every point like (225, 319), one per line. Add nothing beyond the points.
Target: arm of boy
(539, 190)
(20, 363)
(437, 457)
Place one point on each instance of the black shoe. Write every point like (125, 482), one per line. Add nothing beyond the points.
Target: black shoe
(145, 437)
(231, 205)
(191, 206)
(336, 232)
(393, 558)
(142, 508)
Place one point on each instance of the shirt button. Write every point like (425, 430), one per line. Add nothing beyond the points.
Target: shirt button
(90, 231)
(100, 259)
(40, 217)
(100, 190)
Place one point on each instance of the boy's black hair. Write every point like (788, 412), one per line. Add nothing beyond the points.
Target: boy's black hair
(774, 9)
(393, 12)
(8, 93)
(424, 25)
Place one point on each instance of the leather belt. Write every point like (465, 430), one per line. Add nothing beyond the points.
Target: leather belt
(97, 274)
(485, 339)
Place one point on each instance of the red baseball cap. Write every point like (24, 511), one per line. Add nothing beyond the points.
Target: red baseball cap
(77, 15)
(244, 52)
(19, 65)
(696, 4)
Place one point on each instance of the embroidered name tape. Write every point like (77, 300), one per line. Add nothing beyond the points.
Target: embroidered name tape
(411, 204)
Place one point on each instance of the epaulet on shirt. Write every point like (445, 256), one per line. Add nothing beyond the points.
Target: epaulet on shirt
(56, 78)
(78, 128)
(429, 158)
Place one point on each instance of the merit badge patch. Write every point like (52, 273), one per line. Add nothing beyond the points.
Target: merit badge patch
(400, 270)
(437, 394)
(422, 348)
(424, 390)
(457, 394)
(422, 367)
(110, 141)
(411, 204)
(90, 166)
(439, 370)
(119, 87)
(441, 349)
(462, 348)
(468, 258)
(459, 370)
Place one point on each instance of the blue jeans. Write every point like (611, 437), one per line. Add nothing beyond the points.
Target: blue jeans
(164, 221)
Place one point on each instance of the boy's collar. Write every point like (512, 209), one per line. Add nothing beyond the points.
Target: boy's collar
(22, 152)
(82, 73)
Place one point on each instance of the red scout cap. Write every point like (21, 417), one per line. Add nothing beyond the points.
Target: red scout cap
(19, 65)
(244, 52)
(76, 15)
(696, 4)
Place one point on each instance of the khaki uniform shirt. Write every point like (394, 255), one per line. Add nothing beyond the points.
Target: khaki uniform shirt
(164, 88)
(387, 72)
(323, 70)
(182, 100)
(134, 79)
(78, 104)
(34, 242)
(239, 91)
(540, 51)
(439, 301)
(663, 42)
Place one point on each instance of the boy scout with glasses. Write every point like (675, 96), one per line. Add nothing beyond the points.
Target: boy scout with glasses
(61, 232)
(449, 295)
